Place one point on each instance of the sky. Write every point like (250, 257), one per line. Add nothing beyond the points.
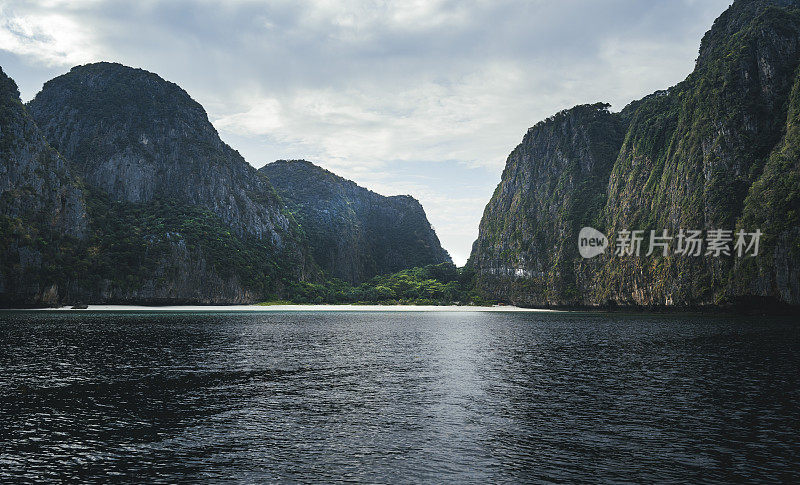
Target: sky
(421, 97)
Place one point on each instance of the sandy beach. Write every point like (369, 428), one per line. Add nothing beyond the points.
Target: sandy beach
(295, 308)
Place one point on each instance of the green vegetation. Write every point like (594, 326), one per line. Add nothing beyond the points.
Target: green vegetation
(554, 183)
(34, 255)
(131, 243)
(276, 302)
(717, 150)
(434, 284)
(353, 233)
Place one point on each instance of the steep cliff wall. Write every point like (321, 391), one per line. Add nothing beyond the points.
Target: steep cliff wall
(554, 183)
(201, 225)
(138, 137)
(716, 151)
(353, 232)
(42, 213)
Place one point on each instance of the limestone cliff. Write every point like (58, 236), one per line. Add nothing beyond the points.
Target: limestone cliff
(553, 184)
(716, 151)
(175, 213)
(354, 233)
(42, 211)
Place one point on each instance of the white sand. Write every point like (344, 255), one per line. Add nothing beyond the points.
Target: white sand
(299, 308)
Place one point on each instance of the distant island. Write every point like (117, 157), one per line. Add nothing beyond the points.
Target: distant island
(116, 189)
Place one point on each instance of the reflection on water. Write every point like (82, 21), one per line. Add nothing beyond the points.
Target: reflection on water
(398, 397)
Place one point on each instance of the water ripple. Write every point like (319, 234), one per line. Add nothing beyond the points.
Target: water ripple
(393, 397)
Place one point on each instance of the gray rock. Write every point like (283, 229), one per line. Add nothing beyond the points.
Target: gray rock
(354, 233)
(720, 150)
(41, 207)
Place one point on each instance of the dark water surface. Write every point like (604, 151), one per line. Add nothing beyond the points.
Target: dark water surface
(398, 397)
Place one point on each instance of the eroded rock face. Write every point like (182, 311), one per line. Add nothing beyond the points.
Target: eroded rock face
(353, 232)
(553, 185)
(718, 150)
(41, 207)
(183, 275)
(138, 137)
(202, 225)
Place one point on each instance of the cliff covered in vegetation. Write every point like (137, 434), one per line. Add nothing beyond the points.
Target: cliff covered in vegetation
(170, 213)
(717, 151)
(43, 220)
(354, 233)
(116, 188)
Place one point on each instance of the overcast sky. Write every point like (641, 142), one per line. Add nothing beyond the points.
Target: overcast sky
(424, 97)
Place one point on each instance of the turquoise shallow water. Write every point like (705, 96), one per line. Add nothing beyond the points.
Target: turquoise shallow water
(398, 397)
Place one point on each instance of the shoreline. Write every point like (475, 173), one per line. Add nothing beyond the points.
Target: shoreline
(313, 307)
(289, 308)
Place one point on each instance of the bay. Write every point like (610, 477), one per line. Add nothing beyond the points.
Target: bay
(398, 397)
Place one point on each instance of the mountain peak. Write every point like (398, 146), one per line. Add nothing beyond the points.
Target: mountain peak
(743, 22)
(355, 233)
(8, 88)
(139, 138)
(717, 150)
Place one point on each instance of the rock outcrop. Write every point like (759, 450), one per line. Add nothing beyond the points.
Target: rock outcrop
(200, 224)
(138, 137)
(553, 184)
(717, 151)
(354, 233)
(42, 211)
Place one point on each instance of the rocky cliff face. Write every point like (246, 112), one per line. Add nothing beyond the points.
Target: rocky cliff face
(138, 137)
(553, 184)
(716, 151)
(355, 233)
(42, 211)
(201, 225)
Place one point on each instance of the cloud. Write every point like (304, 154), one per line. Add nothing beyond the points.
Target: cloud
(428, 121)
(369, 88)
(263, 118)
(51, 39)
